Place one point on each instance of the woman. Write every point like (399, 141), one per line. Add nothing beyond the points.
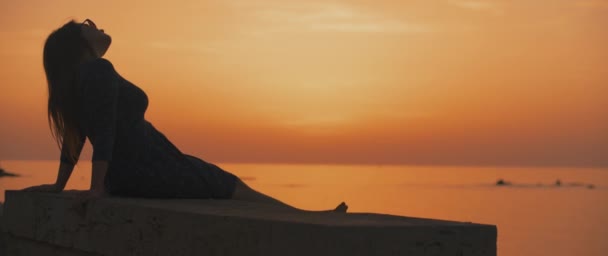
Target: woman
(88, 98)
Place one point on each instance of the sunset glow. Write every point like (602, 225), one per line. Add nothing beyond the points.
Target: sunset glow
(451, 82)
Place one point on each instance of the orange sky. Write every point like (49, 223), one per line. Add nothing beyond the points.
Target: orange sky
(393, 82)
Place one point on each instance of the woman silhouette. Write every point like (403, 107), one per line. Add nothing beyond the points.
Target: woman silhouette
(89, 99)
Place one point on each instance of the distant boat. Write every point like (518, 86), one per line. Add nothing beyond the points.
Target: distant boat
(557, 184)
(502, 182)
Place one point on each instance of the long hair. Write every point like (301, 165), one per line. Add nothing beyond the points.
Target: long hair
(64, 50)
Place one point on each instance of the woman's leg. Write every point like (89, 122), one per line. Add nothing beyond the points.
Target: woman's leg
(245, 193)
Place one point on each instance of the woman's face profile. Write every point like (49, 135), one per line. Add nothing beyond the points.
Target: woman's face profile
(97, 39)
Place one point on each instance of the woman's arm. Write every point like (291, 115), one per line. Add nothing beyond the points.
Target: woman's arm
(66, 165)
(65, 170)
(100, 168)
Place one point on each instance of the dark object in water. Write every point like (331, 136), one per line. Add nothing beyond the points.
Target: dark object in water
(4, 173)
(502, 182)
(590, 186)
(558, 182)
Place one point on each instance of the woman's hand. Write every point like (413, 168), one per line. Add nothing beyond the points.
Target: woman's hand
(49, 188)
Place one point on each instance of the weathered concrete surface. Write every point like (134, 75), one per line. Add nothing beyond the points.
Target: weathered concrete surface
(66, 225)
(2, 232)
(23, 247)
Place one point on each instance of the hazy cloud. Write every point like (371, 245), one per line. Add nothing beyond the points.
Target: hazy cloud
(190, 47)
(475, 5)
(593, 4)
(337, 18)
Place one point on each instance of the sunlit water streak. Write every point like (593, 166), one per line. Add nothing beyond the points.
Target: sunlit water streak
(533, 215)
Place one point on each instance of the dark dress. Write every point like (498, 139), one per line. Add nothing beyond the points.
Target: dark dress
(142, 161)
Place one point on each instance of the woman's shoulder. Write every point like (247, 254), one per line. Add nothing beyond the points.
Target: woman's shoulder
(98, 76)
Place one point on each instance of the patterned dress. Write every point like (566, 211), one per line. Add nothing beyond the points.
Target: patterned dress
(142, 161)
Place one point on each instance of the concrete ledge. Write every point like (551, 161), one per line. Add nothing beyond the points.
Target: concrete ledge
(3, 235)
(66, 225)
(23, 247)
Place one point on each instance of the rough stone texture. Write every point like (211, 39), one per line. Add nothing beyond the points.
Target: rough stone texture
(2, 233)
(64, 224)
(24, 247)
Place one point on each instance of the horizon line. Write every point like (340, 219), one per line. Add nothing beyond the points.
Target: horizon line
(379, 164)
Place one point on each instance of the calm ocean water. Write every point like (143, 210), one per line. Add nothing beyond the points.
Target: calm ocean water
(534, 217)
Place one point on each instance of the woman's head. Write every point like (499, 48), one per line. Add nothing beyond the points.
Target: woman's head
(64, 50)
(74, 43)
(98, 40)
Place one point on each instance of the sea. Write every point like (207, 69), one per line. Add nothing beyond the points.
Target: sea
(543, 211)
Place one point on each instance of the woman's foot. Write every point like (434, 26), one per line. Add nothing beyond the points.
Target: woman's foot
(342, 207)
